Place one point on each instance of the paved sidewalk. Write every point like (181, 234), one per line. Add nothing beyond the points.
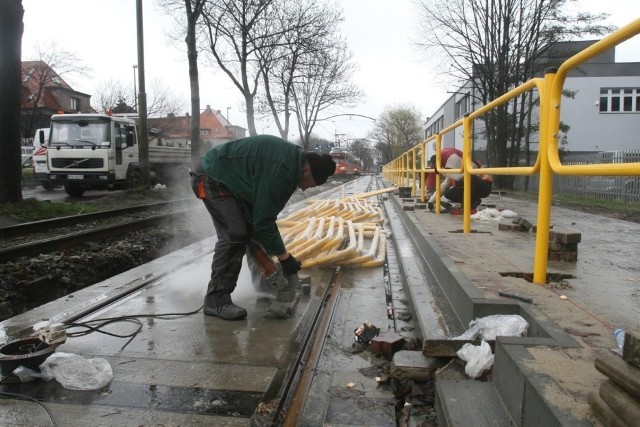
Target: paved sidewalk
(602, 292)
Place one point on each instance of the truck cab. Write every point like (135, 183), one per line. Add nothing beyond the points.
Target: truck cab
(93, 151)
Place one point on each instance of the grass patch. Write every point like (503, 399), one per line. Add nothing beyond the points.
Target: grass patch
(601, 203)
(34, 210)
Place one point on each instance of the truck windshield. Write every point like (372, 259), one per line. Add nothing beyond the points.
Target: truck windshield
(80, 133)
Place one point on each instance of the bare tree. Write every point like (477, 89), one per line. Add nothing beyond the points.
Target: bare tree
(498, 45)
(51, 63)
(396, 130)
(188, 14)
(306, 26)
(11, 28)
(323, 82)
(236, 31)
(161, 102)
(111, 93)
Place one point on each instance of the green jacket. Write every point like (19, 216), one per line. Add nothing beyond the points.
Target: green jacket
(262, 172)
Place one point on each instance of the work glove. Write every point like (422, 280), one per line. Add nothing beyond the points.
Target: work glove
(290, 266)
(430, 207)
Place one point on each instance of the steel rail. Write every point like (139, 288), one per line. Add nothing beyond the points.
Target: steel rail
(47, 224)
(309, 356)
(69, 241)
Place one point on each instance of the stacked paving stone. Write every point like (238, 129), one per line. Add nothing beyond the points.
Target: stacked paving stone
(563, 245)
(617, 402)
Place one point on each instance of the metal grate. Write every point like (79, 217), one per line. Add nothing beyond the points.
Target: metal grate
(77, 163)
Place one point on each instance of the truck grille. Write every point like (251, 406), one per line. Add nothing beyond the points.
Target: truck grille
(77, 163)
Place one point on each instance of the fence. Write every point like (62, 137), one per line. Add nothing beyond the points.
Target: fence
(621, 188)
(548, 167)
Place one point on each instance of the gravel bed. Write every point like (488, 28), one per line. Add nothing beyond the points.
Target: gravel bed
(27, 283)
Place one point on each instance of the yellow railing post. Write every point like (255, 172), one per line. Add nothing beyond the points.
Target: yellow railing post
(438, 165)
(546, 182)
(423, 174)
(466, 154)
(413, 172)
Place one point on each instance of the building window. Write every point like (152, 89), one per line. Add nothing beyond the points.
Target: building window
(462, 106)
(204, 132)
(75, 104)
(435, 127)
(28, 75)
(619, 100)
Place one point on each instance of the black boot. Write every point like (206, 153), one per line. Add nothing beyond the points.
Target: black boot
(222, 307)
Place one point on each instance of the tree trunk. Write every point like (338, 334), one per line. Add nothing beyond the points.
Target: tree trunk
(11, 28)
(193, 14)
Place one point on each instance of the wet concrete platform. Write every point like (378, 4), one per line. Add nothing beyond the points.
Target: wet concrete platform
(178, 370)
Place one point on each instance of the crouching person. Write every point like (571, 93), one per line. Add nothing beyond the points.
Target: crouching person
(244, 185)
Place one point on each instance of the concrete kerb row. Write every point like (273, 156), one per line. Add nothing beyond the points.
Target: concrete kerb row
(520, 389)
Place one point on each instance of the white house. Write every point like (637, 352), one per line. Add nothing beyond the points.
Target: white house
(604, 114)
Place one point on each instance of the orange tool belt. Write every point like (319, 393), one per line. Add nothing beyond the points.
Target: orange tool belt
(200, 181)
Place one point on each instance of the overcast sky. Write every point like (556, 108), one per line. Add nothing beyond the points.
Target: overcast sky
(391, 72)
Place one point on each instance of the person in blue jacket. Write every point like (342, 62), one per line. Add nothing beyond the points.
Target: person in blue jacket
(244, 185)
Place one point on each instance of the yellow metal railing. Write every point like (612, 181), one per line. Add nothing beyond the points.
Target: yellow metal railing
(403, 171)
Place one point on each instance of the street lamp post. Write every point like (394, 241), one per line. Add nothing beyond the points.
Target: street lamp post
(135, 90)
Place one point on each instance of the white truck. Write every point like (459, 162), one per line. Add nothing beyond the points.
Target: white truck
(39, 158)
(100, 152)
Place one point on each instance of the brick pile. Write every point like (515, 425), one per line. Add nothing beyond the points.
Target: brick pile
(563, 245)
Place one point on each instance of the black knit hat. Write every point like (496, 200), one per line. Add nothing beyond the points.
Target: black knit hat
(322, 167)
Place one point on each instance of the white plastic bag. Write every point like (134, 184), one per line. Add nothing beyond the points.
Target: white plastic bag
(26, 375)
(75, 372)
(489, 327)
(478, 357)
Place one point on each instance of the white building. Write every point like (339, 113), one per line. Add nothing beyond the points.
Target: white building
(604, 115)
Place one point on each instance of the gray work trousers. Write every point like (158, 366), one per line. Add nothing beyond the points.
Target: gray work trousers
(233, 233)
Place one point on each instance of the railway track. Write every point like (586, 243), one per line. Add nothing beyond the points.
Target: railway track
(34, 238)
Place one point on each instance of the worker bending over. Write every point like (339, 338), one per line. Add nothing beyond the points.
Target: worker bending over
(244, 185)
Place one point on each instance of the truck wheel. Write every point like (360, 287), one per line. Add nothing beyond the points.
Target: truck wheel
(134, 179)
(47, 185)
(74, 190)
